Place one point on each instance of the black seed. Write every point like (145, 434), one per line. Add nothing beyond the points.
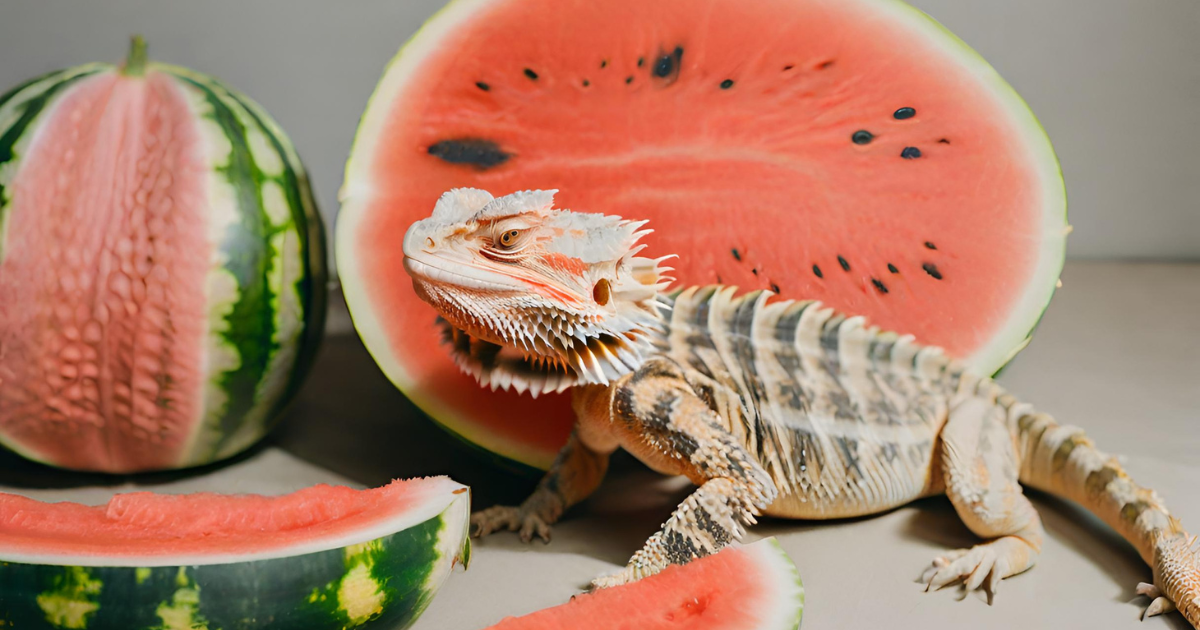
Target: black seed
(586, 83)
(736, 255)
(604, 63)
(774, 288)
(932, 270)
(824, 64)
(845, 265)
(910, 153)
(483, 86)
(904, 113)
(726, 84)
(641, 61)
(629, 79)
(531, 74)
(817, 271)
(754, 270)
(477, 152)
(879, 285)
(944, 141)
(788, 67)
(862, 136)
(930, 245)
(892, 268)
(719, 279)
(667, 66)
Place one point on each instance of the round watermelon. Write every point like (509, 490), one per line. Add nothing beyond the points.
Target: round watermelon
(162, 268)
(322, 557)
(848, 151)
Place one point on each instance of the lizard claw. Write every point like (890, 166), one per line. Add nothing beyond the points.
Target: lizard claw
(512, 519)
(1159, 603)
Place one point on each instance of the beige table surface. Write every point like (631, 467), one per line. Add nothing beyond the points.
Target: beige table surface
(1118, 353)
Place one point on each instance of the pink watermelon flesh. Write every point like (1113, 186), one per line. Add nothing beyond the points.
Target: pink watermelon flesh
(106, 312)
(737, 130)
(745, 588)
(147, 529)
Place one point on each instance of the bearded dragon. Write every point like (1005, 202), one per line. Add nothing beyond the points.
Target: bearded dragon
(770, 406)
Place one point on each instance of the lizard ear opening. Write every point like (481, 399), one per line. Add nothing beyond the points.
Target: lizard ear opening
(602, 292)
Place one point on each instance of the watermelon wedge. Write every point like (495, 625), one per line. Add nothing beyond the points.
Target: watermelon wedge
(753, 587)
(323, 557)
(849, 151)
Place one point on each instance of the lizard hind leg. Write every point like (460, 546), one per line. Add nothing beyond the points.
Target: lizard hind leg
(980, 465)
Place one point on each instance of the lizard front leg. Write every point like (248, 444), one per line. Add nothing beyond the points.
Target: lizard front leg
(576, 473)
(660, 420)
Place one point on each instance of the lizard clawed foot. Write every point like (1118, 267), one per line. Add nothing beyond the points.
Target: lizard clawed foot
(1159, 604)
(508, 518)
(979, 566)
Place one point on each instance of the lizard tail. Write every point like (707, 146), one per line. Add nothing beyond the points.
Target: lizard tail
(1061, 460)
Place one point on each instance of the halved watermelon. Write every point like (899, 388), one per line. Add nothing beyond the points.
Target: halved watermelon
(753, 587)
(323, 557)
(162, 268)
(851, 151)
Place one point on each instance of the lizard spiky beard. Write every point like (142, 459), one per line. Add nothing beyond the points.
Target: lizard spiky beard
(536, 298)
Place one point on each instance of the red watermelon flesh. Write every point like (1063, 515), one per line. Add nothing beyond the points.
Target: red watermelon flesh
(755, 587)
(852, 152)
(147, 529)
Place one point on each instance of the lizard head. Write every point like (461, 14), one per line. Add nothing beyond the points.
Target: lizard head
(532, 297)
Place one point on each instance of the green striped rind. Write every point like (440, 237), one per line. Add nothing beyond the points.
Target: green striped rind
(383, 583)
(269, 287)
(20, 111)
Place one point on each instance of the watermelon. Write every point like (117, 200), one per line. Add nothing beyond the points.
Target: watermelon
(848, 151)
(322, 557)
(753, 587)
(162, 268)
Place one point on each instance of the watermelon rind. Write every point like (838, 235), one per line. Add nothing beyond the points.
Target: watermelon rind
(356, 196)
(267, 283)
(789, 601)
(381, 577)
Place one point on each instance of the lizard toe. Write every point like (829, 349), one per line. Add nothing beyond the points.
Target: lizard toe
(494, 519)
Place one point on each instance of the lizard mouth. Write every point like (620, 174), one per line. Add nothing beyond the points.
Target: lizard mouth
(501, 367)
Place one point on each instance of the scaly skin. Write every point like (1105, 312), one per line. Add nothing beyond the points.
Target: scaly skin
(782, 408)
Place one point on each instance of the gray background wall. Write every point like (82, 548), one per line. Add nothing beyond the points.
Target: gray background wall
(1115, 82)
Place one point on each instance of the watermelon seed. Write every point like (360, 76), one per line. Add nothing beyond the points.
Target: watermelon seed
(892, 268)
(817, 271)
(482, 154)
(824, 64)
(629, 79)
(944, 141)
(726, 84)
(904, 113)
(483, 86)
(531, 74)
(775, 288)
(862, 136)
(641, 61)
(754, 270)
(932, 270)
(910, 153)
(668, 64)
(586, 83)
(930, 245)
(879, 285)
(736, 254)
(845, 265)
(603, 63)
(788, 67)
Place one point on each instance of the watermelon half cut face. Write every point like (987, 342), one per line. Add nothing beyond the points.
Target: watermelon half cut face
(849, 151)
(323, 557)
(752, 587)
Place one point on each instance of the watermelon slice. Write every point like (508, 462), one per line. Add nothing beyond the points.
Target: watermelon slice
(849, 151)
(323, 557)
(754, 587)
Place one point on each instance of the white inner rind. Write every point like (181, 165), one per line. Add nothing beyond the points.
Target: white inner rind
(435, 497)
(779, 571)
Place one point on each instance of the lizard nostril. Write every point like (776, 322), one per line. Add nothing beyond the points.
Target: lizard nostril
(429, 242)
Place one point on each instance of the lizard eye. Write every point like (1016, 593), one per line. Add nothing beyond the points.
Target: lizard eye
(509, 238)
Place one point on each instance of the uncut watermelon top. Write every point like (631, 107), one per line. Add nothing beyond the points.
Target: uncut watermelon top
(850, 151)
(162, 268)
(323, 557)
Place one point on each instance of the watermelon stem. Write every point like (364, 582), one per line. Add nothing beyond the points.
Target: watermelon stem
(135, 63)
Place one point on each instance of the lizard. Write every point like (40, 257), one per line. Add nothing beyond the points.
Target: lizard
(769, 406)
